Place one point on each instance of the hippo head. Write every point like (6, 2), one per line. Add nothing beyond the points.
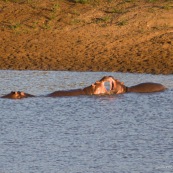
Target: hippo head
(17, 95)
(12, 95)
(116, 87)
(96, 88)
(99, 88)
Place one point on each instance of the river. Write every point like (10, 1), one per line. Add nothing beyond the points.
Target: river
(127, 133)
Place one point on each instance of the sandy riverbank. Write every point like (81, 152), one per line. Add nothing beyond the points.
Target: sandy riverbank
(125, 36)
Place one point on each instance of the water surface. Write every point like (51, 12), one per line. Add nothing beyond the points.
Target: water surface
(84, 134)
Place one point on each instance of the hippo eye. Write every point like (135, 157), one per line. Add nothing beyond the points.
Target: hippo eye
(12, 92)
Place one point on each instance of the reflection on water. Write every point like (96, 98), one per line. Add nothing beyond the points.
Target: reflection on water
(98, 134)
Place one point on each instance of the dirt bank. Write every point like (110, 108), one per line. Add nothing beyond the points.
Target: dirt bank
(126, 35)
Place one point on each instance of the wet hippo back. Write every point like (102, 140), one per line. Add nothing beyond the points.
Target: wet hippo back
(146, 88)
(75, 92)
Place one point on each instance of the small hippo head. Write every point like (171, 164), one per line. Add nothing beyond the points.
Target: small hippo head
(12, 95)
(17, 95)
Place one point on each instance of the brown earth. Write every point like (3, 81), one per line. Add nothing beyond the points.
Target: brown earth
(100, 35)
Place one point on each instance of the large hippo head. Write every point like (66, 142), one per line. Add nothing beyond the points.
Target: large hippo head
(116, 87)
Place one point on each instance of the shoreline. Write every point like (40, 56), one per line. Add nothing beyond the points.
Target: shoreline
(73, 71)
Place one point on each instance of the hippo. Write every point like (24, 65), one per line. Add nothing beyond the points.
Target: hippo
(94, 89)
(117, 87)
(17, 95)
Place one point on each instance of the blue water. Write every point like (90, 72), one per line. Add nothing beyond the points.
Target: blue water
(128, 133)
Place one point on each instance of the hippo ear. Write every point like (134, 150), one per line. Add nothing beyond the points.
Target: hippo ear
(22, 93)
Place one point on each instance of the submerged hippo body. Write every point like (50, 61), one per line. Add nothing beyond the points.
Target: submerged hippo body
(76, 92)
(148, 87)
